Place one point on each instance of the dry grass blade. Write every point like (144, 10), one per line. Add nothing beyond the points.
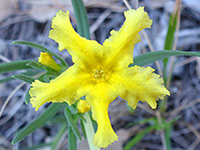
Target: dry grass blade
(98, 22)
(183, 107)
(4, 59)
(10, 96)
(194, 130)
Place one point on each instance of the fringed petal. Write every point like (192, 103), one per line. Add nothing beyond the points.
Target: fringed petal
(65, 88)
(121, 43)
(99, 99)
(83, 51)
(141, 84)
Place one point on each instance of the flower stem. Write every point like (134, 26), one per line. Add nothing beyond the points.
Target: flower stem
(89, 131)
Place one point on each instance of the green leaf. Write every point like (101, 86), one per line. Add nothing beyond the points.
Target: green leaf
(40, 47)
(59, 119)
(37, 147)
(83, 129)
(81, 117)
(169, 39)
(59, 135)
(24, 78)
(48, 77)
(138, 137)
(151, 57)
(35, 65)
(27, 97)
(167, 133)
(81, 18)
(29, 72)
(6, 79)
(72, 123)
(73, 110)
(38, 122)
(72, 145)
(170, 33)
(13, 66)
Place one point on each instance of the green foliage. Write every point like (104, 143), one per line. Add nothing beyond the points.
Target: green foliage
(169, 38)
(24, 78)
(81, 18)
(150, 57)
(36, 147)
(138, 137)
(38, 122)
(6, 79)
(40, 47)
(27, 97)
(170, 33)
(13, 66)
(71, 139)
(58, 137)
(72, 123)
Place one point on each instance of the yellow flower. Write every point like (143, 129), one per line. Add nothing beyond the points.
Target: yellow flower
(83, 106)
(47, 60)
(101, 72)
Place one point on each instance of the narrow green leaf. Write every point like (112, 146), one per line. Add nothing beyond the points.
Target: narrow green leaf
(151, 57)
(24, 78)
(138, 137)
(48, 77)
(73, 109)
(40, 47)
(72, 145)
(81, 117)
(29, 72)
(6, 79)
(35, 65)
(37, 147)
(13, 66)
(27, 97)
(167, 133)
(59, 119)
(38, 122)
(59, 135)
(71, 123)
(169, 39)
(170, 33)
(83, 128)
(32, 72)
(81, 18)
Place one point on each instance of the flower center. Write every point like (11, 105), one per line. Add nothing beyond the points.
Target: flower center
(99, 74)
